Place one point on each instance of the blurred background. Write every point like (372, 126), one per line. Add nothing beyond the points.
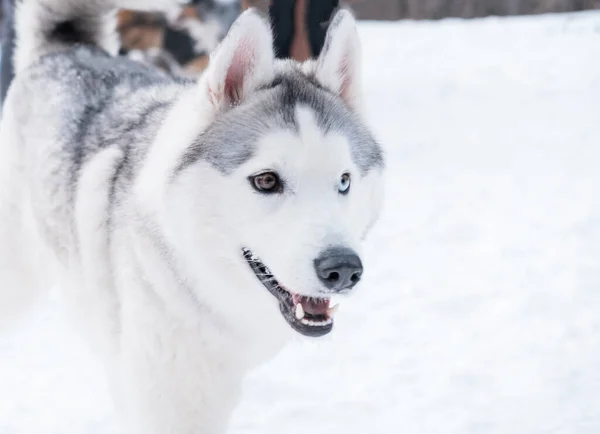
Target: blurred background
(438, 9)
(180, 42)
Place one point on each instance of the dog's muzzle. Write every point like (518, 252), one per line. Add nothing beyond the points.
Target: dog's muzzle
(338, 269)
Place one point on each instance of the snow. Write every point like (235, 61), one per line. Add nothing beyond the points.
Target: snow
(480, 311)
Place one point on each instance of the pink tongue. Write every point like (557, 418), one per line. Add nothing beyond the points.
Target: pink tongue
(312, 306)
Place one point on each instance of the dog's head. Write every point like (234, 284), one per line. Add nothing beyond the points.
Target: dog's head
(269, 197)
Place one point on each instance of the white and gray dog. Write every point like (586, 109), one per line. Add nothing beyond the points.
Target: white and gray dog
(191, 226)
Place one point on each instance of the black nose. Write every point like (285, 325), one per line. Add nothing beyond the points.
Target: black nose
(339, 268)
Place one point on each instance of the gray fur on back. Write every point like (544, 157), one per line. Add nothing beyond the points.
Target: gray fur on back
(100, 101)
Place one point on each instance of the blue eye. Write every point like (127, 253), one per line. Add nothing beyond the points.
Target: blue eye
(344, 183)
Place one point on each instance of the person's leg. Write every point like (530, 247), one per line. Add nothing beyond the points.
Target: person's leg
(300, 26)
(281, 14)
(6, 69)
(318, 16)
(300, 49)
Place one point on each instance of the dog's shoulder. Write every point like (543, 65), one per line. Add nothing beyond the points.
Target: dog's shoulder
(84, 101)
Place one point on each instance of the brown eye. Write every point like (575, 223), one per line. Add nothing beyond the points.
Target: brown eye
(266, 182)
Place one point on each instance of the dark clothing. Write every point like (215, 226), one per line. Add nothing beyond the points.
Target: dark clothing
(6, 72)
(318, 14)
(281, 14)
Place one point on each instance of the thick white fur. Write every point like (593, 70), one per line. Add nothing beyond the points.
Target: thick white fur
(179, 326)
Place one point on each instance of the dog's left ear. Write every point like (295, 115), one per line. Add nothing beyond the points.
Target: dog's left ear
(243, 61)
(338, 65)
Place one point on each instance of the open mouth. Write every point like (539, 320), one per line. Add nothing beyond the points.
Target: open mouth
(310, 316)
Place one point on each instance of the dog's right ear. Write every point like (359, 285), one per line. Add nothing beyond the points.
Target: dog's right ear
(243, 61)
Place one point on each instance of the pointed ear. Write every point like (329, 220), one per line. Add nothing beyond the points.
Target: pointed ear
(243, 61)
(338, 65)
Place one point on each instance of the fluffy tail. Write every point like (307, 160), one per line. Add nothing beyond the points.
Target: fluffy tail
(46, 26)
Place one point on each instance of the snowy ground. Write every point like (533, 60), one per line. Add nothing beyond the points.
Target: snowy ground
(481, 311)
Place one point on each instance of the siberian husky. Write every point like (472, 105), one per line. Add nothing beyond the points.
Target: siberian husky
(192, 226)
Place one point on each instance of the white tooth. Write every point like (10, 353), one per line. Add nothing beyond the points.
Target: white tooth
(316, 323)
(299, 311)
(332, 310)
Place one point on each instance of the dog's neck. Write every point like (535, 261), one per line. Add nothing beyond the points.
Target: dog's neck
(184, 371)
(188, 364)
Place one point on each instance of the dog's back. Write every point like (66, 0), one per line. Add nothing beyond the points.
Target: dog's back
(70, 99)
